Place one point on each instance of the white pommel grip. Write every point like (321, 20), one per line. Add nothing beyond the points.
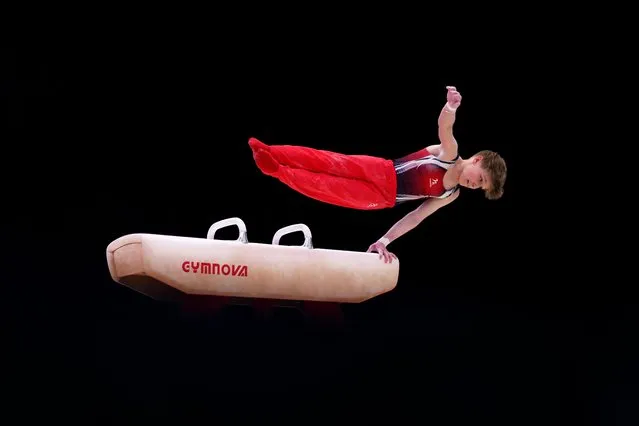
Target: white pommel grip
(229, 222)
(308, 239)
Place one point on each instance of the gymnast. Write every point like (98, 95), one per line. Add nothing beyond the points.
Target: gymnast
(433, 174)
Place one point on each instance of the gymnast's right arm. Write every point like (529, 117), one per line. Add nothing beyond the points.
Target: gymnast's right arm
(409, 222)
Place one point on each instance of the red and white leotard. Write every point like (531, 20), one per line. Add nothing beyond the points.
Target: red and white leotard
(421, 175)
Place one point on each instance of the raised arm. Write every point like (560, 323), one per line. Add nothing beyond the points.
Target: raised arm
(409, 222)
(445, 122)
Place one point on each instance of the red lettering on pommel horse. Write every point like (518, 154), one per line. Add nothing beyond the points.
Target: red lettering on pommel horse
(215, 268)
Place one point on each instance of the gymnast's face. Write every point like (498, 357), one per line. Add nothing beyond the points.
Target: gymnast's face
(473, 176)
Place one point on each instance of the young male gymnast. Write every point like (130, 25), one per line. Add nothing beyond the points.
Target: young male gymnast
(364, 182)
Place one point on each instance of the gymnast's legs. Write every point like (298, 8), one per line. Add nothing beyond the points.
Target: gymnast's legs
(353, 181)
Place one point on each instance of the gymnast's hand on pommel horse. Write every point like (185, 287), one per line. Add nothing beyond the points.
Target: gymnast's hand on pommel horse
(433, 174)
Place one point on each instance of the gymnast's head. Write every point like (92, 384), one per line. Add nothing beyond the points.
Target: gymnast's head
(485, 170)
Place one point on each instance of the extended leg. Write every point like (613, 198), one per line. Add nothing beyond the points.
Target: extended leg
(353, 181)
(317, 160)
(345, 192)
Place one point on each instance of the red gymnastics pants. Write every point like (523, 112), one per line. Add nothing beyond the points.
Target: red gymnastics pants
(354, 181)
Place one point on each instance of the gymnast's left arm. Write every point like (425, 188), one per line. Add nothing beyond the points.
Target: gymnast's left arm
(409, 222)
(448, 147)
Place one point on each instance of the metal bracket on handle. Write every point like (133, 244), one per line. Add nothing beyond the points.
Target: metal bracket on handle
(308, 239)
(229, 222)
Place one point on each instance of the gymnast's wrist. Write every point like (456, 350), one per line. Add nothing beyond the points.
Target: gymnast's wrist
(449, 108)
(385, 241)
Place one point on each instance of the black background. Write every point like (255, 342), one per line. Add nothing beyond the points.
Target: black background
(121, 134)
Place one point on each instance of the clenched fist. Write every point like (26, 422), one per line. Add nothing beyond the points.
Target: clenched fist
(453, 97)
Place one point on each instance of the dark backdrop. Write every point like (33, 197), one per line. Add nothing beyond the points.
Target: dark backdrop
(118, 136)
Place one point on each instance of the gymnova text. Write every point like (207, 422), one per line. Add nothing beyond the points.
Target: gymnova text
(214, 268)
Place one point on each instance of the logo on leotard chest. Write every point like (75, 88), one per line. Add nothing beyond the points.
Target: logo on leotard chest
(433, 181)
